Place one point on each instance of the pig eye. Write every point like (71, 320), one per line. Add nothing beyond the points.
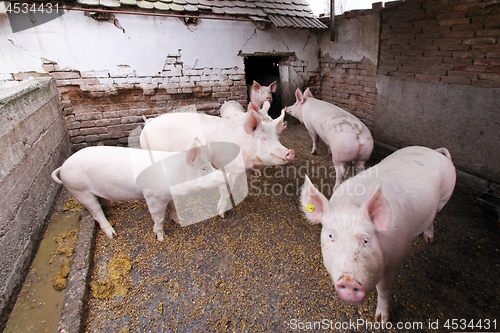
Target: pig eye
(365, 241)
(331, 237)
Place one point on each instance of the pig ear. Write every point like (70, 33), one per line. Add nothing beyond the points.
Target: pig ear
(272, 86)
(265, 107)
(299, 96)
(379, 210)
(252, 122)
(308, 93)
(193, 153)
(314, 204)
(252, 106)
(278, 122)
(256, 85)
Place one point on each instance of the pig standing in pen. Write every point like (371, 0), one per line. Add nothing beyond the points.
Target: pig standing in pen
(234, 110)
(117, 173)
(346, 136)
(370, 221)
(260, 94)
(258, 142)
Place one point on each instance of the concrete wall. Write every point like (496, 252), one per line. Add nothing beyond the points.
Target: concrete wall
(33, 142)
(464, 119)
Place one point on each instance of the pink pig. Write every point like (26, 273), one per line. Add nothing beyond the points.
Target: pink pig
(234, 110)
(105, 173)
(346, 136)
(258, 141)
(259, 94)
(371, 219)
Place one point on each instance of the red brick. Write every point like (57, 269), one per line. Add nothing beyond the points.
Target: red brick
(454, 47)
(430, 59)
(426, 47)
(493, 69)
(487, 62)
(425, 21)
(450, 15)
(468, 54)
(493, 55)
(488, 33)
(458, 61)
(429, 35)
(65, 75)
(490, 76)
(444, 54)
(467, 75)
(454, 21)
(403, 75)
(470, 27)
(492, 18)
(430, 71)
(464, 7)
(486, 83)
(447, 41)
(458, 34)
(470, 68)
(433, 8)
(427, 77)
(480, 41)
(408, 69)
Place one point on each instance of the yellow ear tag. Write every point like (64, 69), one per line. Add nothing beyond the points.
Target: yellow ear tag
(279, 124)
(310, 208)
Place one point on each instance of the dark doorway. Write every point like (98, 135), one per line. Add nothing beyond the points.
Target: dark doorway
(265, 70)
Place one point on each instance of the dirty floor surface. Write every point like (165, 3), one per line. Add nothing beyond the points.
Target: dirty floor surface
(260, 269)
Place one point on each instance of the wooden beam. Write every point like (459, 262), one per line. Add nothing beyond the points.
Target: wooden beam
(332, 20)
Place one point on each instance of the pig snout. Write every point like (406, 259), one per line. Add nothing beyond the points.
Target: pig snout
(290, 155)
(349, 289)
(269, 98)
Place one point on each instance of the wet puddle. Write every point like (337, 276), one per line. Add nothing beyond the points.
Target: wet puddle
(38, 308)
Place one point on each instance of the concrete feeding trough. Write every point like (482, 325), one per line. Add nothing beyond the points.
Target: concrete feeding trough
(490, 201)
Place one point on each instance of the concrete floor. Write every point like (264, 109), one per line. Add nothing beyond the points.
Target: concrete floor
(260, 269)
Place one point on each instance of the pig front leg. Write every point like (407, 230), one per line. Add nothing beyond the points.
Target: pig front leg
(384, 288)
(224, 203)
(157, 206)
(173, 212)
(90, 201)
(314, 137)
(429, 233)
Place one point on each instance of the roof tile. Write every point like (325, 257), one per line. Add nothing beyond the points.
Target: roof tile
(282, 13)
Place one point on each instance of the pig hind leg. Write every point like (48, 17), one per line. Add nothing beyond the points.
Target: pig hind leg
(339, 172)
(90, 201)
(359, 166)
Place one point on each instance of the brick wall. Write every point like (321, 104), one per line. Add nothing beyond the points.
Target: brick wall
(349, 85)
(100, 108)
(448, 41)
